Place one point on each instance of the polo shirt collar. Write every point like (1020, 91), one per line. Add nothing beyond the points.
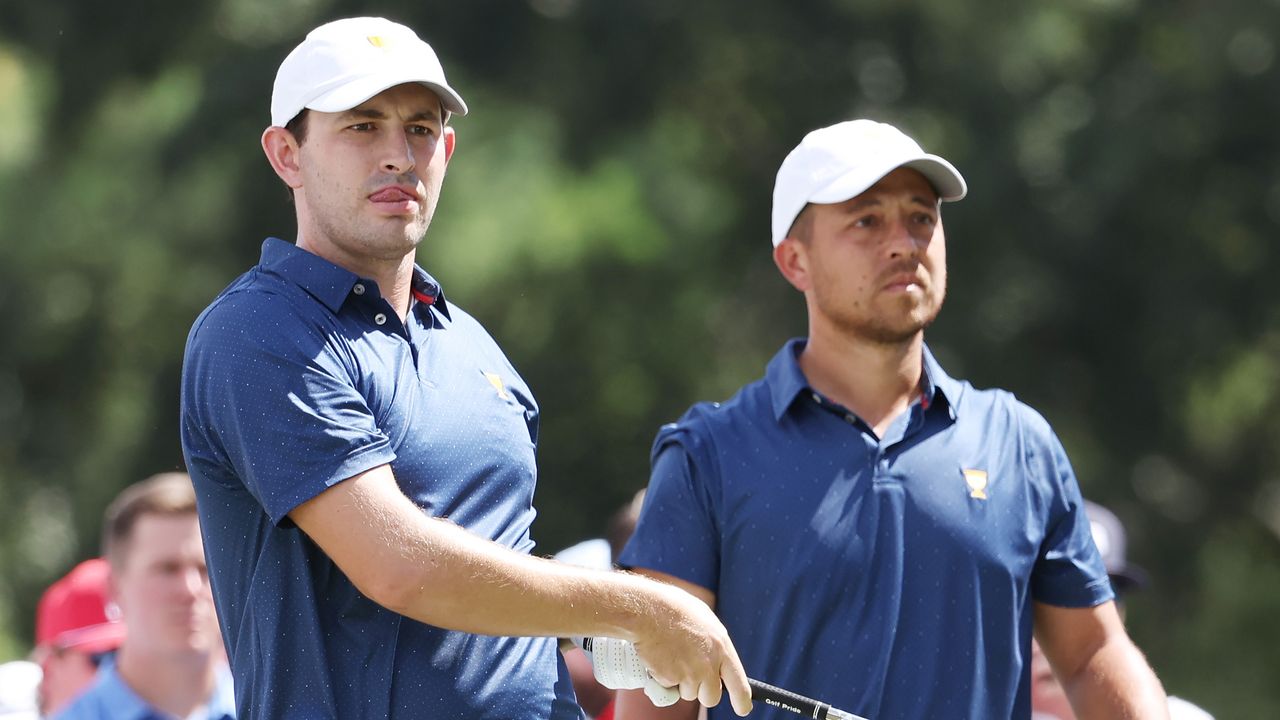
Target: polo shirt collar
(426, 290)
(331, 284)
(937, 382)
(787, 381)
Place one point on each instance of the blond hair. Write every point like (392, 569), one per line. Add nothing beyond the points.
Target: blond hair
(169, 493)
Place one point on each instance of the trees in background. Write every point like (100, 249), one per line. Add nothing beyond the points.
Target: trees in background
(606, 216)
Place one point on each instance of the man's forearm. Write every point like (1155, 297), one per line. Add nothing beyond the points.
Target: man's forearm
(433, 571)
(436, 572)
(1117, 684)
(459, 581)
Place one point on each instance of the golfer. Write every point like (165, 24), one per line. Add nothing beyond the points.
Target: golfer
(873, 532)
(363, 452)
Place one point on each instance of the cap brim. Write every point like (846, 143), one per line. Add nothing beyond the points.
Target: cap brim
(94, 638)
(1127, 579)
(944, 177)
(351, 94)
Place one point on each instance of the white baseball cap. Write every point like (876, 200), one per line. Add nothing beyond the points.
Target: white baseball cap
(343, 63)
(833, 164)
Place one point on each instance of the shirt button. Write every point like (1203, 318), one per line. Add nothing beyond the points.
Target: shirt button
(380, 319)
(817, 398)
(358, 289)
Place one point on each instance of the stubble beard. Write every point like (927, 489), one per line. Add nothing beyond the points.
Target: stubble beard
(895, 327)
(381, 238)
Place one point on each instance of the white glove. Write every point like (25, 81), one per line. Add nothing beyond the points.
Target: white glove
(617, 666)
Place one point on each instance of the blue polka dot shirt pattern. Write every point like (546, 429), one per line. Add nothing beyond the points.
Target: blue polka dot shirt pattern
(892, 577)
(298, 376)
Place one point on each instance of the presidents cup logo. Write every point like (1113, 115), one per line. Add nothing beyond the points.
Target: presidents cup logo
(977, 482)
(496, 381)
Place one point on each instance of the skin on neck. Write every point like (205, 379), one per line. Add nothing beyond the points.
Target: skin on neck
(876, 381)
(394, 276)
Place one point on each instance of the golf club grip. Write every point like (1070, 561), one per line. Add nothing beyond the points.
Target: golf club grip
(793, 702)
(787, 700)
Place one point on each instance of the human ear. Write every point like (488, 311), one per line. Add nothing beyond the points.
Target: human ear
(792, 258)
(281, 149)
(450, 141)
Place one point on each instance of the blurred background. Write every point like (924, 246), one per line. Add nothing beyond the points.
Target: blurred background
(606, 216)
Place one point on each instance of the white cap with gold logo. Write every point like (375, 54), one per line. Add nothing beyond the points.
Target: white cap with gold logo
(345, 62)
(833, 164)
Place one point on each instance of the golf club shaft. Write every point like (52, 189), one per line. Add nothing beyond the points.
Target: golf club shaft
(798, 704)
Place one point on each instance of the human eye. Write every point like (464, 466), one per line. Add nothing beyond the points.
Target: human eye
(361, 127)
(422, 130)
(925, 218)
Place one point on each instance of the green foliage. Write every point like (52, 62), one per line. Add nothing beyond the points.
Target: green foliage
(606, 216)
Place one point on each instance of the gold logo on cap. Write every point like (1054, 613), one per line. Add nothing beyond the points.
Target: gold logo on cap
(977, 482)
(379, 42)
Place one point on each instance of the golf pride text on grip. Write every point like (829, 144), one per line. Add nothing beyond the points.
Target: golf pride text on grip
(799, 704)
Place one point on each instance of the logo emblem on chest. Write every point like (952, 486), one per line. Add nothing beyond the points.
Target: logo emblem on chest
(977, 482)
(496, 381)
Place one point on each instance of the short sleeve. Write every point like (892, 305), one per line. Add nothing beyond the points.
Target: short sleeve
(677, 532)
(269, 399)
(1069, 571)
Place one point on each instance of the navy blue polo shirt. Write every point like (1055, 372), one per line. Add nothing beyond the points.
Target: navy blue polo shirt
(892, 577)
(299, 376)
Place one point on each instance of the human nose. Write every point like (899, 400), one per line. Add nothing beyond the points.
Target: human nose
(907, 239)
(398, 156)
(193, 580)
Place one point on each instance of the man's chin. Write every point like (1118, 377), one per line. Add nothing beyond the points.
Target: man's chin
(413, 233)
(393, 244)
(904, 331)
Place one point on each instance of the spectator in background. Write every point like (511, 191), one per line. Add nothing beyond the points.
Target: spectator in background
(1048, 699)
(76, 629)
(623, 524)
(171, 664)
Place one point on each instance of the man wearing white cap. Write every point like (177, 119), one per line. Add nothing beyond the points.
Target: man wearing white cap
(364, 452)
(872, 532)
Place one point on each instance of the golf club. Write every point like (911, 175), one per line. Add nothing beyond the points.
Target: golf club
(798, 704)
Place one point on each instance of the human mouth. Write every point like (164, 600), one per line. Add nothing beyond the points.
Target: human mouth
(395, 200)
(904, 282)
